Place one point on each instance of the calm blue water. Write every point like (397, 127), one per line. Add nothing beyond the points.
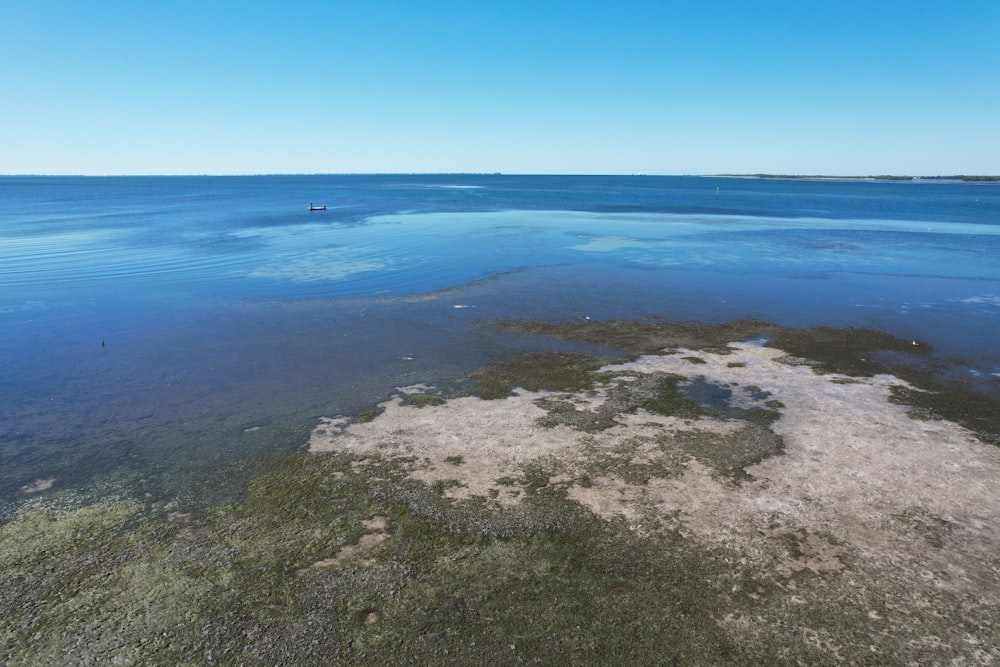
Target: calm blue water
(231, 316)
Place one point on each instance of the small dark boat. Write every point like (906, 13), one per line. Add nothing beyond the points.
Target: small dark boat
(317, 208)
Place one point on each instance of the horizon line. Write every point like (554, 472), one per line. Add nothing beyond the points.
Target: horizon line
(498, 173)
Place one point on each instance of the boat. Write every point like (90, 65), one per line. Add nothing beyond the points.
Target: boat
(317, 208)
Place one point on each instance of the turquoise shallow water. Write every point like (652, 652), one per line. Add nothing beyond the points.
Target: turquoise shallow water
(166, 329)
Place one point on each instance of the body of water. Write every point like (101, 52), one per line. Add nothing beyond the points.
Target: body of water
(165, 332)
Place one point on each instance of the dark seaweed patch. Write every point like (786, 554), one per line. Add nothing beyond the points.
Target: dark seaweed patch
(850, 351)
(421, 400)
(556, 371)
(646, 336)
(732, 453)
(951, 401)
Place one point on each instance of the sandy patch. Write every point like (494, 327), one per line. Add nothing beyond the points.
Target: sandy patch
(376, 532)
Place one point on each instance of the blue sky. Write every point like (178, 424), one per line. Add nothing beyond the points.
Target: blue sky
(694, 87)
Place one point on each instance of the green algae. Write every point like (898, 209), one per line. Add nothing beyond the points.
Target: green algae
(565, 413)
(422, 400)
(656, 392)
(762, 416)
(53, 570)
(453, 582)
(534, 371)
(932, 400)
(38, 536)
(850, 351)
(730, 454)
(647, 336)
(441, 486)
(368, 415)
(237, 587)
(635, 460)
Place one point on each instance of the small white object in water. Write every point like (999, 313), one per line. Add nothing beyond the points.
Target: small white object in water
(38, 486)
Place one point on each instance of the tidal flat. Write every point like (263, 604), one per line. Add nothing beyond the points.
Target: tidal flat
(721, 494)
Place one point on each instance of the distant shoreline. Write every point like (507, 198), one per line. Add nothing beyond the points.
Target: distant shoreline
(963, 178)
(818, 177)
(799, 177)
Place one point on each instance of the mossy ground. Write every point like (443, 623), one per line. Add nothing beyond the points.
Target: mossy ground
(453, 583)
(110, 585)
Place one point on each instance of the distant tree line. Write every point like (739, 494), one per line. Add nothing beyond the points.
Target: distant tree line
(884, 177)
(822, 177)
(990, 179)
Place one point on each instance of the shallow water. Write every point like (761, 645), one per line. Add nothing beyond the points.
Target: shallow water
(171, 329)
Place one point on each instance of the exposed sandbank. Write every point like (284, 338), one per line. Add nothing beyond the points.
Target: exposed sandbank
(853, 462)
(856, 490)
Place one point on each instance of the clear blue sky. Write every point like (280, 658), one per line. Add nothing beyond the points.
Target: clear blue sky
(540, 86)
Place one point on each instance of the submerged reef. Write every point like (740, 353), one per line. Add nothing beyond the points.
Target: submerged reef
(804, 498)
